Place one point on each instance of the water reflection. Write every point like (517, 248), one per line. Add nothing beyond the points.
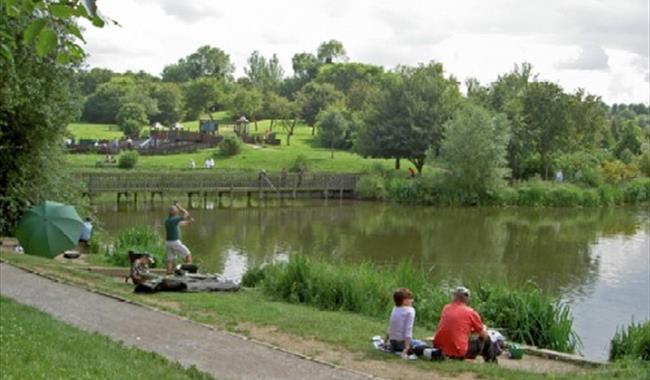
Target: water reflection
(587, 256)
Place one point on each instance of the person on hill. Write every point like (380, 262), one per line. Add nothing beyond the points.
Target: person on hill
(176, 248)
(400, 328)
(457, 323)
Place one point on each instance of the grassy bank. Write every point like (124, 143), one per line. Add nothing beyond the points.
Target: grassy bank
(34, 345)
(524, 315)
(347, 333)
(432, 190)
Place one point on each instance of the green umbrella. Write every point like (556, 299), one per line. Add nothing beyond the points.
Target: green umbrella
(49, 229)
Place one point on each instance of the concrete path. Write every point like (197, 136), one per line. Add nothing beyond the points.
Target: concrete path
(220, 354)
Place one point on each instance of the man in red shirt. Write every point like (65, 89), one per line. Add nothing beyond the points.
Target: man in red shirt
(458, 322)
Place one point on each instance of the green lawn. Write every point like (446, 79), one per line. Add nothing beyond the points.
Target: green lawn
(272, 158)
(33, 345)
(94, 131)
(350, 332)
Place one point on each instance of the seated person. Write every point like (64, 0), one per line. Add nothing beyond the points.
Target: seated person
(457, 323)
(140, 269)
(400, 327)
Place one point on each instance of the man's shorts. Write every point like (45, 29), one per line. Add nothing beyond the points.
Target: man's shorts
(175, 248)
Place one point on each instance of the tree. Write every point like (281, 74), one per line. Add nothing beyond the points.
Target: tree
(264, 74)
(131, 117)
(104, 104)
(545, 110)
(407, 119)
(202, 95)
(90, 80)
(169, 98)
(246, 102)
(286, 112)
(315, 97)
(474, 150)
(305, 66)
(330, 50)
(37, 102)
(334, 129)
(630, 140)
(207, 61)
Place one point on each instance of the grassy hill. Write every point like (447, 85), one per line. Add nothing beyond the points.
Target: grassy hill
(254, 158)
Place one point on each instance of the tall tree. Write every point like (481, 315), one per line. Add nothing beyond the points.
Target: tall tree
(202, 95)
(315, 97)
(169, 98)
(246, 102)
(207, 61)
(407, 119)
(545, 110)
(474, 150)
(264, 74)
(331, 50)
(335, 129)
(90, 80)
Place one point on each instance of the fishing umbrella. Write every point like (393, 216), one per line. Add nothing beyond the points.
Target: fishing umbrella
(49, 229)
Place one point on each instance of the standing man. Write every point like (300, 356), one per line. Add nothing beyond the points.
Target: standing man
(176, 248)
(458, 322)
(86, 232)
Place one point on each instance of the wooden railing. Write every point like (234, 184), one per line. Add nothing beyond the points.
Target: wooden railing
(209, 182)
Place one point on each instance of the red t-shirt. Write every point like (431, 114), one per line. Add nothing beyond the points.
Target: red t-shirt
(457, 322)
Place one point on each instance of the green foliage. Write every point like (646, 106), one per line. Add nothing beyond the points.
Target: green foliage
(127, 159)
(335, 128)
(643, 160)
(206, 62)
(202, 95)
(137, 239)
(52, 28)
(632, 341)
(527, 315)
(371, 186)
(616, 171)
(300, 163)
(246, 102)
(314, 98)
(637, 191)
(169, 98)
(131, 128)
(581, 167)
(230, 146)
(264, 74)
(33, 345)
(330, 50)
(474, 149)
(37, 102)
(407, 118)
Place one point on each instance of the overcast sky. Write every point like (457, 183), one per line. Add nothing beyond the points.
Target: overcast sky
(599, 45)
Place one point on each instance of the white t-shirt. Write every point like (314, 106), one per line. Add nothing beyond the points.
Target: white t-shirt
(401, 323)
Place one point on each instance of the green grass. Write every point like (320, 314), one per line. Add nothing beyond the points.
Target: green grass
(271, 158)
(34, 345)
(345, 330)
(94, 131)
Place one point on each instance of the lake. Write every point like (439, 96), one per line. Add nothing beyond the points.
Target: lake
(597, 260)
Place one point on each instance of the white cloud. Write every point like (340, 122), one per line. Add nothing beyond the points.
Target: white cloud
(567, 42)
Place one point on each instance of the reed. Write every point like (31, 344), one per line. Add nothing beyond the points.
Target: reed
(137, 239)
(632, 342)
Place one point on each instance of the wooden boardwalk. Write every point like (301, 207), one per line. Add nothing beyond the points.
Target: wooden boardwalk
(212, 182)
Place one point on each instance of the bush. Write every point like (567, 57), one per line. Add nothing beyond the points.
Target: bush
(616, 171)
(230, 146)
(127, 159)
(643, 160)
(299, 163)
(581, 167)
(371, 186)
(138, 239)
(632, 341)
(637, 191)
(527, 315)
(130, 128)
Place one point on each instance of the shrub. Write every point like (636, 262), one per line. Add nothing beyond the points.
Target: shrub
(230, 146)
(138, 239)
(632, 341)
(527, 314)
(299, 163)
(127, 159)
(371, 186)
(637, 191)
(643, 160)
(616, 171)
(130, 128)
(581, 167)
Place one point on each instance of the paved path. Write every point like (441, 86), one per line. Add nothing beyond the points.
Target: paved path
(222, 355)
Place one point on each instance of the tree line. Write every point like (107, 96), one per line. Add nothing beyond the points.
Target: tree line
(402, 114)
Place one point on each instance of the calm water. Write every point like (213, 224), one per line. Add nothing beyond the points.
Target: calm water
(595, 259)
